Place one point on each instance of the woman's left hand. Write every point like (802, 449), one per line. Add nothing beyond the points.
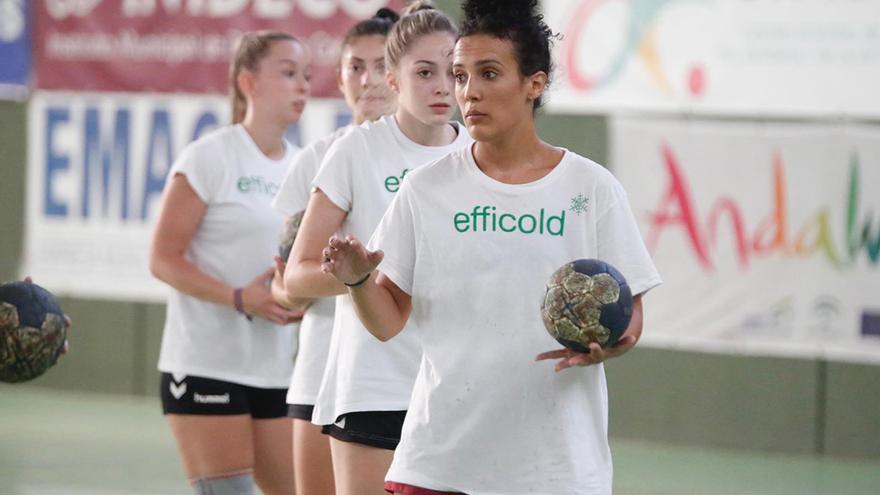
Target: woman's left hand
(568, 358)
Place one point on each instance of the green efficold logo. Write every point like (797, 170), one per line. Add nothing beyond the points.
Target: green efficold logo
(488, 219)
(392, 182)
(257, 184)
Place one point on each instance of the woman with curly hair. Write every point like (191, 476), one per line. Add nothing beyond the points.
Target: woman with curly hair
(466, 250)
(367, 385)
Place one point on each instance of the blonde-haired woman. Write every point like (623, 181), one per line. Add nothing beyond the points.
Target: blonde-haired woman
(227, 348)
(361, 78)
(366, 386)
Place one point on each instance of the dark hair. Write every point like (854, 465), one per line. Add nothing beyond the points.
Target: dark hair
(252, 47)
(379, 24)
(420, 18)
(518, 21)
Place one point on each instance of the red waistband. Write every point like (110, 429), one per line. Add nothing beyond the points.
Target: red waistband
(394, 487)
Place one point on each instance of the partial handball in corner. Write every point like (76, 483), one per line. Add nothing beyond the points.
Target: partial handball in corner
(587, 301)
(33, 331)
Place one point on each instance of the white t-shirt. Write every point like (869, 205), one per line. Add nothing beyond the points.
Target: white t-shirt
(361, 174)
(235, 243)
(317, 324)
(475, 254)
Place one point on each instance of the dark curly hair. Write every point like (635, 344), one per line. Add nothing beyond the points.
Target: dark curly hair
(518, 21)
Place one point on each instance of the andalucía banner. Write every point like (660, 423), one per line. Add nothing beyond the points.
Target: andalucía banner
(767, 235)
(755, 57)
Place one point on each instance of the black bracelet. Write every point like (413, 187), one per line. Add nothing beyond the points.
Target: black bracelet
(238, 301)
(359, 282)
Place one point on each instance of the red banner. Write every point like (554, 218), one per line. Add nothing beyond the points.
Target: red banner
(179, 45)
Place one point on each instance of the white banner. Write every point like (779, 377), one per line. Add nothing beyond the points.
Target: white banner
(97, 166)
(767, 236)
(758, 57)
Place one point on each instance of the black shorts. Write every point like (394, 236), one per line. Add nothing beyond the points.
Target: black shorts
(206, 396)
(379, 429)
(300, 411)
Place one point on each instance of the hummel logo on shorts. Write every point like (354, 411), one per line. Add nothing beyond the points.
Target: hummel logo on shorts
(177, 386)
(211, 399)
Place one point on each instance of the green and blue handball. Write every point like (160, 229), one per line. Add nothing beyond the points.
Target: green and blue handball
(32, 331)
(587, 301)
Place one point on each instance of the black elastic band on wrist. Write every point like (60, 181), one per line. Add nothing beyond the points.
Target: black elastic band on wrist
(238, 301)
(359, 282)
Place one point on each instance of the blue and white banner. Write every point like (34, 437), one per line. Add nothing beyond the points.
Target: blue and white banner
(97, 164)
(15, 49)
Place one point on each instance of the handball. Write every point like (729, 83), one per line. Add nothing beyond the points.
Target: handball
(288, 235)
(32, 331)
(587, 301)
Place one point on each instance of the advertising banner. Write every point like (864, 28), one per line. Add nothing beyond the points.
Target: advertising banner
(15, 49)
(97, 166)
(756, 57)
(179, 45)
(767, 236)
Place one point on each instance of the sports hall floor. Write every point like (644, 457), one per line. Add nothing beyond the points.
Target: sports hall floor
(61, 443)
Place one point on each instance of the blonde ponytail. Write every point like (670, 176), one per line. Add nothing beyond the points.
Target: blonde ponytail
(249, 51)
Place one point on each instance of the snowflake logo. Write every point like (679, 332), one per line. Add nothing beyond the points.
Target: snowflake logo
(579, 204)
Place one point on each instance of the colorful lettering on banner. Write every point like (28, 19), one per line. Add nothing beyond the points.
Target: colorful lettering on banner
(767, 236)
(179, 45)
(638, 41)
(717, 57)
(676, 210)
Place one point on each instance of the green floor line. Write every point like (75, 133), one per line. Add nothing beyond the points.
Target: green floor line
(63, 443)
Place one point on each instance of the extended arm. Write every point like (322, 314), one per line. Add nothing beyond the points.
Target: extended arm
(380, 304)
(303, 277)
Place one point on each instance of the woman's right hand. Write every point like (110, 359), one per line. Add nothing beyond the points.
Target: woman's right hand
(257, 300)
(348, 260)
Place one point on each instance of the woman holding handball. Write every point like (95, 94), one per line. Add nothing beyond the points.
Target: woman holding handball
(361, 77)
(466, 250)
(227, 348)
(367, 385)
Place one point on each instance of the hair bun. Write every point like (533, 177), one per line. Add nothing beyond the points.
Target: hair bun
(501, 11)
(416, 6)
(386, 14)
